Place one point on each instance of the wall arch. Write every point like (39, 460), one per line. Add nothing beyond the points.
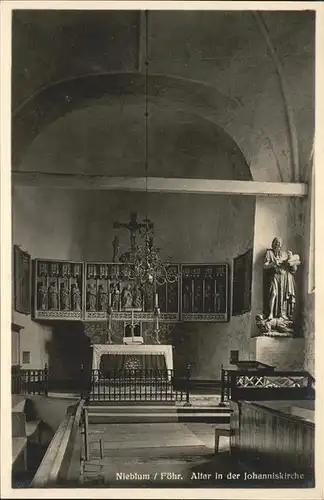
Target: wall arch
(164, 90)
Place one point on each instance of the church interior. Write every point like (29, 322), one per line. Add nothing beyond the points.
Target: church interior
(158, 158)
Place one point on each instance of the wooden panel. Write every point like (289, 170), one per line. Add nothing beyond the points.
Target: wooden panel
(204, 292)
(242, 283)
(22, 281)
(269, 440)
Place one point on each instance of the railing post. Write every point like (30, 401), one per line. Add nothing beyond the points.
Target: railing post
(46, 380)
(28, 382)
(86, 434)
(222, 399)
(310, 388)
(82, 381)
(187, 403)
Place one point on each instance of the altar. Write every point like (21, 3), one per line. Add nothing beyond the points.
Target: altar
(111, 357)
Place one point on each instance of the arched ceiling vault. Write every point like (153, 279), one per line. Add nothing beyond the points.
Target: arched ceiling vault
(221, 67)
(92, 141)
(167, 94)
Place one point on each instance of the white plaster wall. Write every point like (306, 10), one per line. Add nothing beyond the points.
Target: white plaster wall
(34, 338)
(283, 353)
(45, 224)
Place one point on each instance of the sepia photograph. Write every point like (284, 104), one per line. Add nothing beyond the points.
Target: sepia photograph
(162, 248)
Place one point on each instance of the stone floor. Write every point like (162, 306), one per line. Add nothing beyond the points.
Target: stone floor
(165, 455)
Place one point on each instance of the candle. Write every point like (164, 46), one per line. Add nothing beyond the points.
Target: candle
(156, 300)
(109, 299)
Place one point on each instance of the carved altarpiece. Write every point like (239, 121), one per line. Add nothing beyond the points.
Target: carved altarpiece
(101, 291)
(111, 290)
(58, 290)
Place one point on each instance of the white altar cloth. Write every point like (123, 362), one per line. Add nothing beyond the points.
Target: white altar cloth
(158, 349)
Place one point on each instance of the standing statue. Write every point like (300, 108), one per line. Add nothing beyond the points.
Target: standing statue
(103, 298)
(116, 248)
(64, 297)
(115, 297)
(279, 282)
(91, 298)
(127, 298)
(137, 298)
(76, 297)
(53, 296)
(42, 297)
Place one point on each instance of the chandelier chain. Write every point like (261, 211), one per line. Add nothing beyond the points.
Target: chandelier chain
(146, 109)
(143, 263)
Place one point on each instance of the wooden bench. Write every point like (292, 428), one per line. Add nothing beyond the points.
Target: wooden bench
(221, 431)
(33, 430)
(19, 453)
(22, 432)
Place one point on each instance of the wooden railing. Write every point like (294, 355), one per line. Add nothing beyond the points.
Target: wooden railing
(268, 439)
(139, 385)
(266, 384)
(29, 381)
(117, 385)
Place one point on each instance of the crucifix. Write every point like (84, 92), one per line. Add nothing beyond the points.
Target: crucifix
(134, 226)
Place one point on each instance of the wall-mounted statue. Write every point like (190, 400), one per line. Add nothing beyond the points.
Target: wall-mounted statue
(279, 288)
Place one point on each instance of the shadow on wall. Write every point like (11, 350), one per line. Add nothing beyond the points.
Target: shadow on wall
(184, 351)
(68, 349)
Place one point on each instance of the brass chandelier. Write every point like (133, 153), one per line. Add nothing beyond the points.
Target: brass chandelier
(145, 266)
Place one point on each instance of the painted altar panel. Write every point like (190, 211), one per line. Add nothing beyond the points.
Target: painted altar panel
(204, 292)
(58, 290)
